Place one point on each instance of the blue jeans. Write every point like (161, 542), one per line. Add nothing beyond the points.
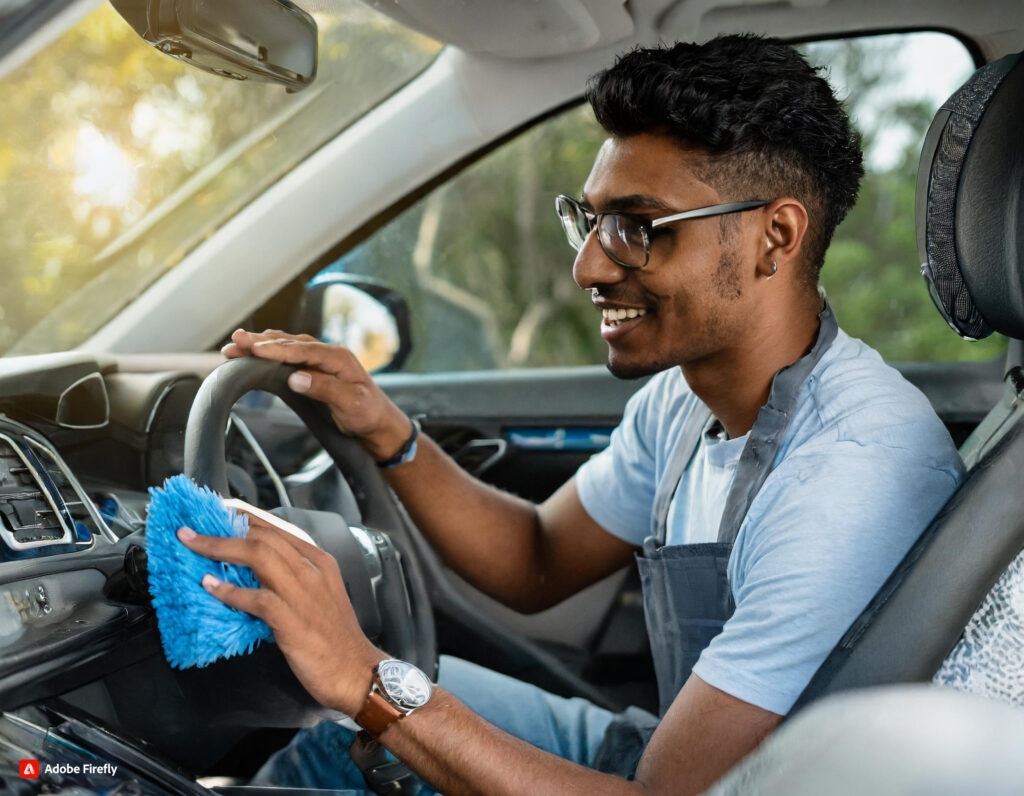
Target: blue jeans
(571, 728)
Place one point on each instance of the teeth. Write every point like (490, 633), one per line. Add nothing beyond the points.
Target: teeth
(614, 317)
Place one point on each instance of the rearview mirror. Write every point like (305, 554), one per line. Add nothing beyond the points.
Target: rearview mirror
(273, 41)
(362, 314)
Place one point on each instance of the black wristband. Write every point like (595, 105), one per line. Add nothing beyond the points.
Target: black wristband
(406, 452)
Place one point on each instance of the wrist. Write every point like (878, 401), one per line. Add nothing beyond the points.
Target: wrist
(355, 689)
(398, 690)
(386, 447)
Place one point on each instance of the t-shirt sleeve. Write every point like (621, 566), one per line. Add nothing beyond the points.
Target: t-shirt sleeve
(616, 486)
(821, 537)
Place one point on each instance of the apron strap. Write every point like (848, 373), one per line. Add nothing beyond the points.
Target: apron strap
(758, 457)
(686, 446)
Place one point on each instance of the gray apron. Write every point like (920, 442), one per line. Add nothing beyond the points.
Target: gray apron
(687, 597)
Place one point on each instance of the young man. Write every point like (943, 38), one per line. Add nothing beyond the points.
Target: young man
(767, 479)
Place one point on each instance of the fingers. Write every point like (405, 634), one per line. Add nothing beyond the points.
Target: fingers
(267, 518)
(355, 396)
(260, 603)
(303, 349)
(328, 373)
(242, 341)
(296, 538)
(330, 359)
(278, 565)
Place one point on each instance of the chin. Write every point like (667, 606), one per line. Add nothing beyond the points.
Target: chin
(625, 369)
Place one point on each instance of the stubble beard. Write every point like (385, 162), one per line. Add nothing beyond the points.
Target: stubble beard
(629, 371)
(728, 285)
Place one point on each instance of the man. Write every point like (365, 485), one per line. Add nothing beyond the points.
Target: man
(767, 479)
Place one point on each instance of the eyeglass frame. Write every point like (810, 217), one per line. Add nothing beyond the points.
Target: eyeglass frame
(647, 226)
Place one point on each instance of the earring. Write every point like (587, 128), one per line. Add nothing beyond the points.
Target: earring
(775, 270)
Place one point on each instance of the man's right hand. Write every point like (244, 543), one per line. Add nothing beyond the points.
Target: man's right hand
(332, 374)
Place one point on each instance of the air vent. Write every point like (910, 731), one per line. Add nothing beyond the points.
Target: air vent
(42, 508)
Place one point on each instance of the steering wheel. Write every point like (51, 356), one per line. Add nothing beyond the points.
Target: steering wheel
(382, 574)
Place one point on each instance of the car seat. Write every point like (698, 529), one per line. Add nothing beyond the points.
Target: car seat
(970, 228)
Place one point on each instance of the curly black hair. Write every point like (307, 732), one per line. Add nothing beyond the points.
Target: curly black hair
(767, 121)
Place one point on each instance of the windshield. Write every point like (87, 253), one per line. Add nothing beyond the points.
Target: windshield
(116, 161)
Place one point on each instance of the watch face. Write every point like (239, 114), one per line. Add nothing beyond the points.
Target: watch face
(404, 684)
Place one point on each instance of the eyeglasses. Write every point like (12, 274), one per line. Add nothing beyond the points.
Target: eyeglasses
(625, 238)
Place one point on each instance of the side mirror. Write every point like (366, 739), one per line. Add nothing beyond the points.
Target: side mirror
(362, 314)
(273, 41)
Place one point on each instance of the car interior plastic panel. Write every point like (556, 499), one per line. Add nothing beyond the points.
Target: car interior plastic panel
(516, 28)
(920, 613)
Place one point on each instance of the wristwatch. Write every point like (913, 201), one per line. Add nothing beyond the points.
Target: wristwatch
(398, 689)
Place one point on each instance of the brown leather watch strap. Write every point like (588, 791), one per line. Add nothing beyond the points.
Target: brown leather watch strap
(377, 714)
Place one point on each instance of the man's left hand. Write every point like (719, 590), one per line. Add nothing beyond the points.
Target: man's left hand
(303, 600)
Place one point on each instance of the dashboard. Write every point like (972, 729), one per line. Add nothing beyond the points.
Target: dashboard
(81, 441)
(78, 442)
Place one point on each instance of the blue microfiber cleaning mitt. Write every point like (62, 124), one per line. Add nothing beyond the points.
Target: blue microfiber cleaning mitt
(196, 628)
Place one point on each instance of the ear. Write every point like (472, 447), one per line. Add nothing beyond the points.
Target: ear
(784, 229)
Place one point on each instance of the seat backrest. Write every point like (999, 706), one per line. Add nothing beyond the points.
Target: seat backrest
(970, 225)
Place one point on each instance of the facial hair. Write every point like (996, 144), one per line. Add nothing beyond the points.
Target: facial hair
(728, 285)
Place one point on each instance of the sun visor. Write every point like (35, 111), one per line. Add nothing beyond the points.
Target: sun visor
(515, 28)
(970, 213)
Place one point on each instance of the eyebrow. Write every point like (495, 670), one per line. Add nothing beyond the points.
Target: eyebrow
(636, 201)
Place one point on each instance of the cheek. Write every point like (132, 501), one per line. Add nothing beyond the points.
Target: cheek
(687, 261)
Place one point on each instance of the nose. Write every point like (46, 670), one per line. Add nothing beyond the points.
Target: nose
(593, 267)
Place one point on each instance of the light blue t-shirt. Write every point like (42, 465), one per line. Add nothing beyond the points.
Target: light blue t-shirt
(863, 467)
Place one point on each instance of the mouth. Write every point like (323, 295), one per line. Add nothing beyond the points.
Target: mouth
(616, 321)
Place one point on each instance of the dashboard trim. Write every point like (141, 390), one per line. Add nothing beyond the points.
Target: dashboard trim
(49, 492)
(49, 489)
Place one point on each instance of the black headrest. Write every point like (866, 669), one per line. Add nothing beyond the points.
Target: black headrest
(970, 203)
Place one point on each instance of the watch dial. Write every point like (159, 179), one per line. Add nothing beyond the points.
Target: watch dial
(406, 685)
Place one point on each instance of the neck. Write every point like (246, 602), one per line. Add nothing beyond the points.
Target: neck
(736, 382)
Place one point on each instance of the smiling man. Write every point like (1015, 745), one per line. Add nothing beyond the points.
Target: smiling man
(766, 480)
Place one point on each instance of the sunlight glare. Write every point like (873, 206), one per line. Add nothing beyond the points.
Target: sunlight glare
(103, 172)
(172, 128)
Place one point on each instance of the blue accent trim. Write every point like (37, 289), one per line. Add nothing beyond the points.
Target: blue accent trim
(560, 438)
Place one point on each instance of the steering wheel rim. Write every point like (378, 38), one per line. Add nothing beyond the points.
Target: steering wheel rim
(205, 463)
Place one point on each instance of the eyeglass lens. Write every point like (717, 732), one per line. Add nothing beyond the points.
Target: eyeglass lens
(574, 221)
(620, 237)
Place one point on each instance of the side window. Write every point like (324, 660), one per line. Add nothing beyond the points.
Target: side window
(485, 266)
(483, 261)
(891, 85)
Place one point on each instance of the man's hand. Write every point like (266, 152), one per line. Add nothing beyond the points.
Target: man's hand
(303, 600)
(332, 374)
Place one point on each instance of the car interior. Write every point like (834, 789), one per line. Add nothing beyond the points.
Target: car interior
(95, 411)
